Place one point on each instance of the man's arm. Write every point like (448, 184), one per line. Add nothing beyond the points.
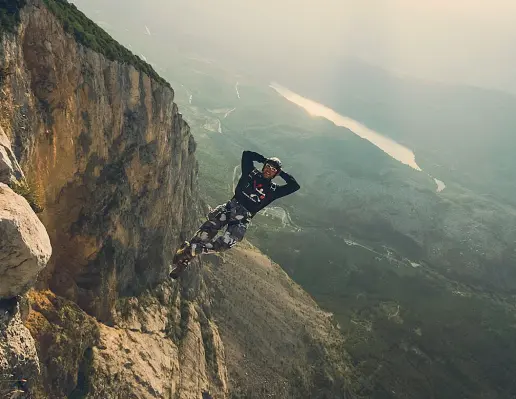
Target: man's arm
(291, 186)
(248, 157)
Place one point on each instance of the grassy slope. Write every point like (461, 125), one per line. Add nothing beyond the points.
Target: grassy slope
(277, 340)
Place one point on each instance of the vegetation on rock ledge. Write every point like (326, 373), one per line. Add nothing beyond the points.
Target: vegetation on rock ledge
(91, 35)
(29, 192)
(10, 14)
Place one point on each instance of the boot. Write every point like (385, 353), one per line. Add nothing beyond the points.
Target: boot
(181, 260)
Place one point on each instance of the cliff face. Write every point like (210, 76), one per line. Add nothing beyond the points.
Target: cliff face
(111, 161)
(107, 151)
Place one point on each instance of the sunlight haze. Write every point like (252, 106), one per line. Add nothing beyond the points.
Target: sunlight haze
(455, 42)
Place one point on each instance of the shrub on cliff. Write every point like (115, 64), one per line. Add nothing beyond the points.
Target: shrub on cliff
(10, 14)
(30, 193)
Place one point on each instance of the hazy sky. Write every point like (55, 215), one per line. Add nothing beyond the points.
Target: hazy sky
(459, 41)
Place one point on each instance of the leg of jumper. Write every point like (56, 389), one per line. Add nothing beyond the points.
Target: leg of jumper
(237, 227)
(234, 234)
(217, 219)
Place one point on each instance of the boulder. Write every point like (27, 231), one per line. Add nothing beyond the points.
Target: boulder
(24, 244)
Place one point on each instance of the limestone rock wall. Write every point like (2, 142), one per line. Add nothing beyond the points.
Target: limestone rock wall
(107, 151)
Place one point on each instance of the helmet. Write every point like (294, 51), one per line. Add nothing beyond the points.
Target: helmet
(274, 162)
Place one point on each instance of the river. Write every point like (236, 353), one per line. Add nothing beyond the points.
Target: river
(389, 146)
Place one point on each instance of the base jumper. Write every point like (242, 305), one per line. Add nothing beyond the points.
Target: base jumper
(254, 191)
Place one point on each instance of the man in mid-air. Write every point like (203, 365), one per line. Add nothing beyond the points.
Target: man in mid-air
(254, 191)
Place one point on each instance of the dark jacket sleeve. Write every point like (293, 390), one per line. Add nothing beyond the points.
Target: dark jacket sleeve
(289, 188)
(248, 157)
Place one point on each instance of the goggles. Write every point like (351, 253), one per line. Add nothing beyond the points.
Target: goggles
(271, 168)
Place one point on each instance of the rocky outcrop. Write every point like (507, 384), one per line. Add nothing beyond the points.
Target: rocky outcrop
(158, 349)
(24, 244)
(131, 363)
(64, 336)
(19, 363)
(108, 153)
(24, 251)
(10, 170)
